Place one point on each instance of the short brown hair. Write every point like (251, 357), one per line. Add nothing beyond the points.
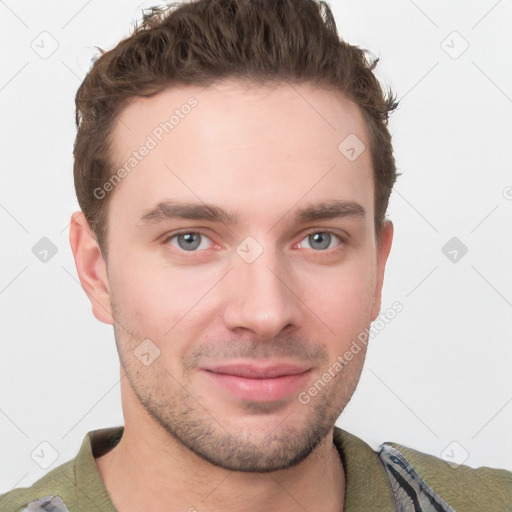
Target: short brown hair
(203, 41)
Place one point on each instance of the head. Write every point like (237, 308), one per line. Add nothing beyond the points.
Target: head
(233, 167)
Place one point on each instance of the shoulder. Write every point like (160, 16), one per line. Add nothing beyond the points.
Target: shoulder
(58, 484)
(413, 480)
(73, 486)
(463, 487)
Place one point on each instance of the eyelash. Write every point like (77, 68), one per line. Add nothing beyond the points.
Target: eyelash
(341, 239)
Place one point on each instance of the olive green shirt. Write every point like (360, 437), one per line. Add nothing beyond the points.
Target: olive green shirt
(80, 486)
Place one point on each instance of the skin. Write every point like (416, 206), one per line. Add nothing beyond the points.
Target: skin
(261, 152)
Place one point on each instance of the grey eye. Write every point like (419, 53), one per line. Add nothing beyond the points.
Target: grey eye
(320, 240)
(189, 241)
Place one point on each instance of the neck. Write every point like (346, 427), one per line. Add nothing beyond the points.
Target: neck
(149, 470)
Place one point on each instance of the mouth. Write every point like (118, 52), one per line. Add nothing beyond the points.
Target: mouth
(259, 383)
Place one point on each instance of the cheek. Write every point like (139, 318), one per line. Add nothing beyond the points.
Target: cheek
(342, 298)
(155, 300)
(136, 294)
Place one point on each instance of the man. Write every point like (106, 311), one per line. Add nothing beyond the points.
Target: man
(233, 168)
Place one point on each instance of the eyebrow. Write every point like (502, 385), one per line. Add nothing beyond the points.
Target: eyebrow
(169, 210)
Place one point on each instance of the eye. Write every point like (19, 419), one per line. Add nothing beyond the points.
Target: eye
(188, 241)
(321, 240)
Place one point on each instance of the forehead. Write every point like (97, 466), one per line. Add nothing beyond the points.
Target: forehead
(258, 147)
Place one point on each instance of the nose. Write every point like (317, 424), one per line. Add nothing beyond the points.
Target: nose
(262, 298)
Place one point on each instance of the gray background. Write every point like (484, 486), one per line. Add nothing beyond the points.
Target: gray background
(437, 377)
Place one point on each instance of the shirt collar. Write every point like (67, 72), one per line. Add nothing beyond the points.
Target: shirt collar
(367, 485)
(90, 488)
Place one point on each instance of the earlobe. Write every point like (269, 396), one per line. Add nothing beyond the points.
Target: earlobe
(91, 267)
(384, 242)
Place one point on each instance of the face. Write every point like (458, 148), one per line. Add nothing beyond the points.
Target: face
(242, 264)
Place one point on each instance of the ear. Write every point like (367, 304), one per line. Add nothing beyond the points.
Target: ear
(384, 240)
(91, 267)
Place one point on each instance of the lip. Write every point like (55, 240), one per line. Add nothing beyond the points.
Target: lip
(258, 371)
(260, 383)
